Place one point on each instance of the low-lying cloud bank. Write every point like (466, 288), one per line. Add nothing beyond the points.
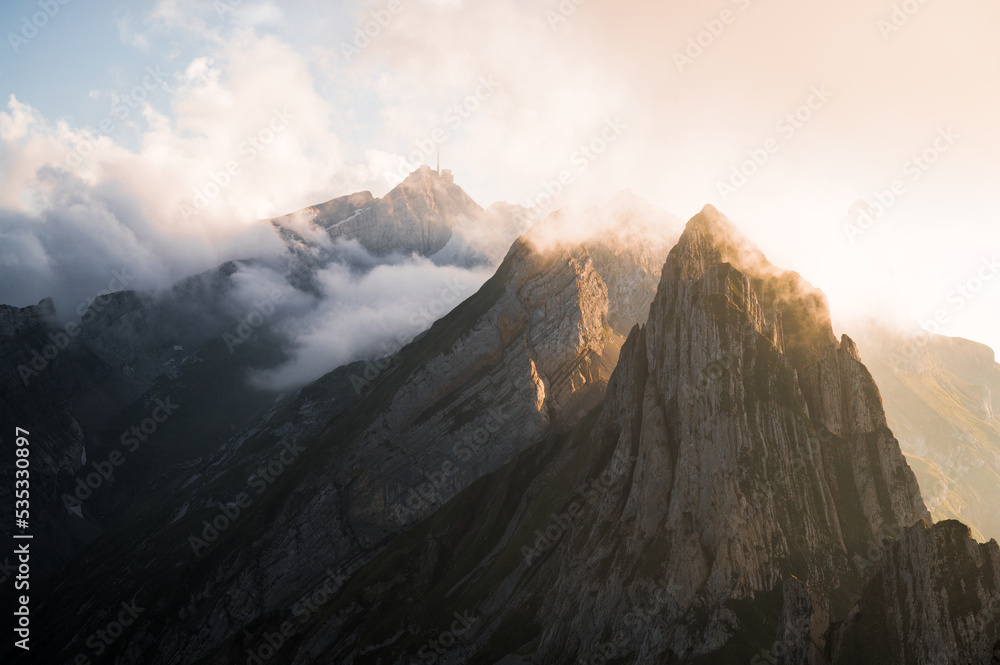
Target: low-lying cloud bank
(369, 315)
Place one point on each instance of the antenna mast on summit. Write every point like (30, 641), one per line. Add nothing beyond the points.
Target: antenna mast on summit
(439, 159)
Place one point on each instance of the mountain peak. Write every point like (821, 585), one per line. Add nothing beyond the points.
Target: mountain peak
(783, 300)
(627, 197)
(710, 220)
(417, 215)
(423, 176)
(710, 211)
(709, 239)
(434, 186)
(422, 172)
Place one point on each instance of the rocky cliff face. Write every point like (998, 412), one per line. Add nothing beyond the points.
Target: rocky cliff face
(418, 215)
(942, 397)
(629, 246)
(17, 321)
(44, 384)
(739, 447)
(781, 466)
(936, 599)
(536, 359)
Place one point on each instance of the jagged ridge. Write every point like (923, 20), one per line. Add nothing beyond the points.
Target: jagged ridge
(717, 491)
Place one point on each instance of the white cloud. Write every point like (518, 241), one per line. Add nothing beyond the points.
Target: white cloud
(261, 13)
(369, 316)
(117, 205)
(130, 36)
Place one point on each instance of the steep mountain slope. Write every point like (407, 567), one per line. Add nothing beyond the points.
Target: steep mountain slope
(157, 531)
(936, 600)
(418, 215)
(735, 453)
(193, 345)
(44, 385)
(130, 399)
(942, 397)
(525, 357)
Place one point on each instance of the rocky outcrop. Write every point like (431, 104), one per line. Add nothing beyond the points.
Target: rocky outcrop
(536, 359)
(844, 403)
(44, 377)
(803, 628)
(81, 380)
(628, 238)
(17, 321)
(935, 599)
(418, 215)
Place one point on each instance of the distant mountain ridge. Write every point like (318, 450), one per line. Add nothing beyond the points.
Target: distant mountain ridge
(942, 398)
(418, 215)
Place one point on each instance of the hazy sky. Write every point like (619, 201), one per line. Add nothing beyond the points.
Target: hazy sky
(833, 104)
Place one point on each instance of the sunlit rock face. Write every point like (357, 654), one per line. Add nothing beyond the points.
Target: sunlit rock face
(780, 464)
(728, 493)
